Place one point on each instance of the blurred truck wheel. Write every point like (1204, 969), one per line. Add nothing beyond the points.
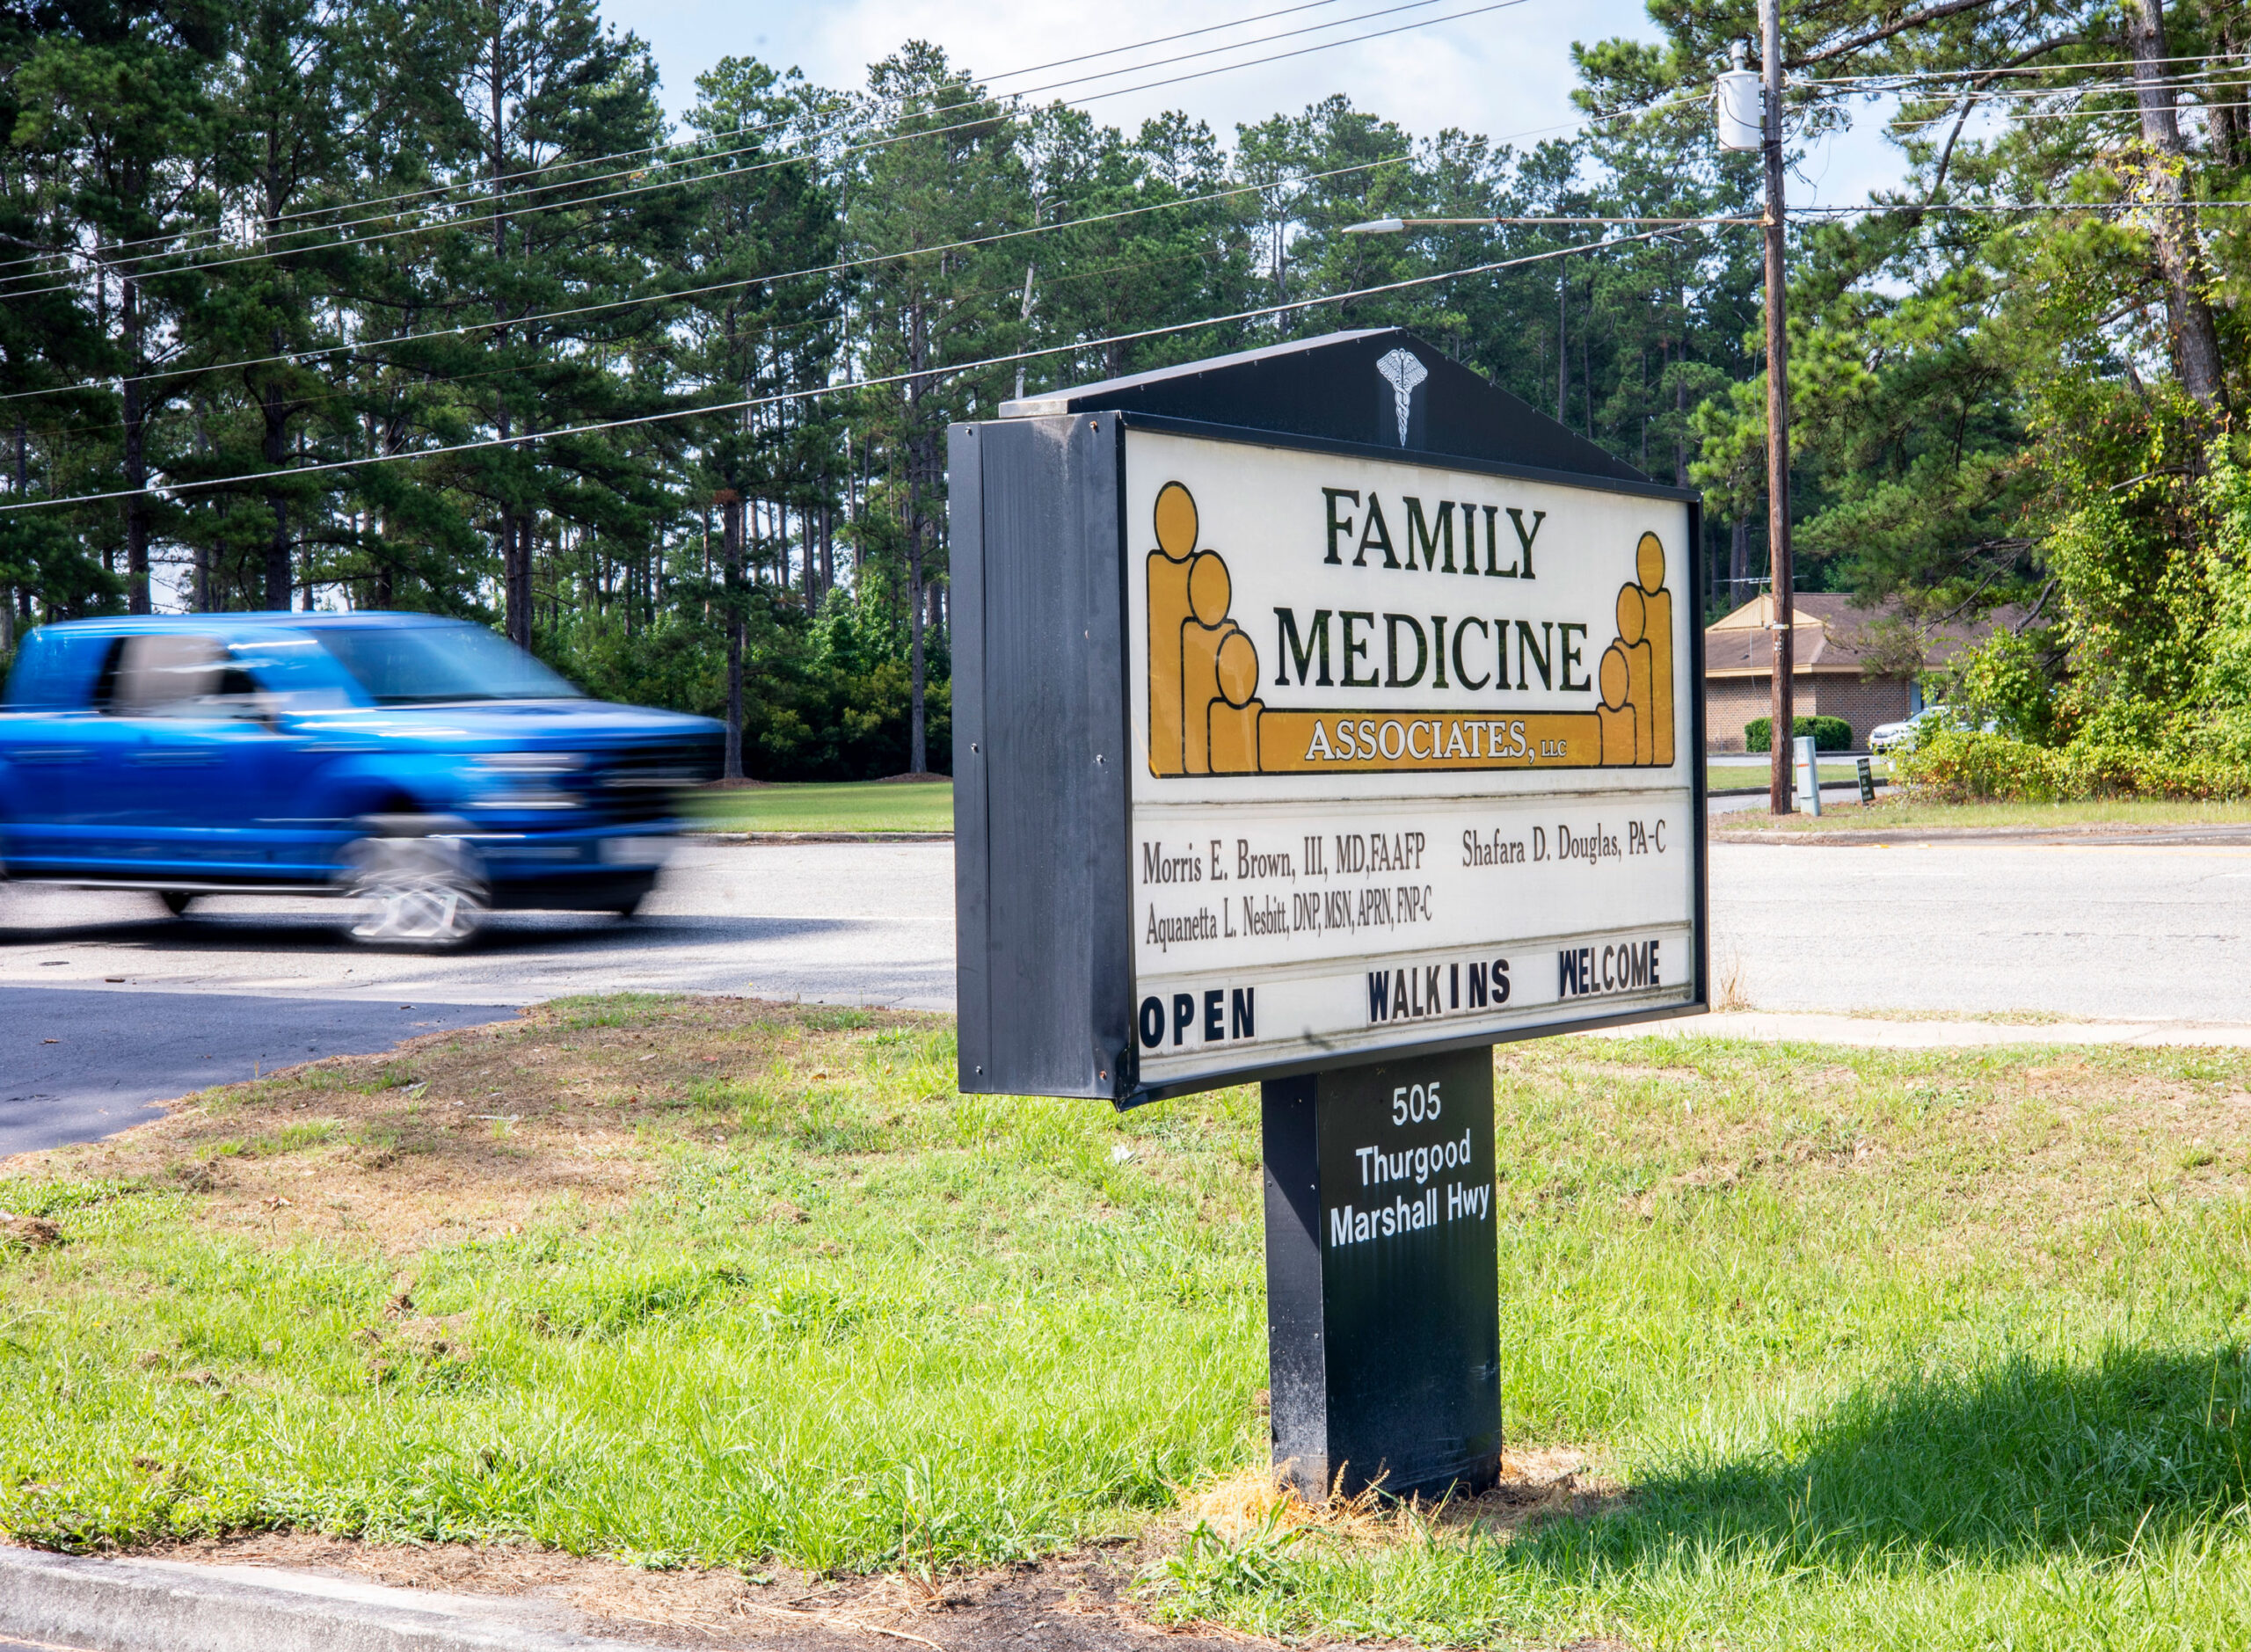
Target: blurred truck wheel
(414, 888)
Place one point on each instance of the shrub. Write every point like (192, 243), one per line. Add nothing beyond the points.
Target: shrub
(822, 699)
(2008, 680)
(1965, 766)
(1830, 734)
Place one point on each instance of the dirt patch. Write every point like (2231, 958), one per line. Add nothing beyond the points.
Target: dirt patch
(1077, 1602)
(915, 780)
(475, 1132)
(1088, 1601)
(1542, 1483)
(27, 1232)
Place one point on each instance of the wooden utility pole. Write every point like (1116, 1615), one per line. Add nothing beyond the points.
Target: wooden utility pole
(1778, 417)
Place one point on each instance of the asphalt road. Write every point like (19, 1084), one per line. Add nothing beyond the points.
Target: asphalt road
(81, 1062)
(2111, 931)
(108, 1004)
(143, 1006)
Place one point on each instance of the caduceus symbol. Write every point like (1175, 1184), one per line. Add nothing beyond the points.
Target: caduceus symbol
(1404, 372)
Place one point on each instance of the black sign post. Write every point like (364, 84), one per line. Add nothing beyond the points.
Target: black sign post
(1383, 1311)
(1323, 715)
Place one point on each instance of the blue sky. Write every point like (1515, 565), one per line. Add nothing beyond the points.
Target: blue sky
(1506, 73)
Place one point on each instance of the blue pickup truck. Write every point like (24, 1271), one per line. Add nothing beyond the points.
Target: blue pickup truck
(422, 767)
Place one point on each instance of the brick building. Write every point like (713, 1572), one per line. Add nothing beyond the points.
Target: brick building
(1857, 664)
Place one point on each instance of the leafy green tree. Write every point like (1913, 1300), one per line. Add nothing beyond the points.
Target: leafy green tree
(543, 90)
(2007, 385)
(244, 240)
(939, 166)
(1139, 236)
(49, 343)
(278, 118)
(765, 325)
(119, 99)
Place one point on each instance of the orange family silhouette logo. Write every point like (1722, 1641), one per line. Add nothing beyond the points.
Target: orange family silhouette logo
(1206, 715)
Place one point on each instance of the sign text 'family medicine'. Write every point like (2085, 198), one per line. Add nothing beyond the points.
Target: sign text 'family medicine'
(1348, 745)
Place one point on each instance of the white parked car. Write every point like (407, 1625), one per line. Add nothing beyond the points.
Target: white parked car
(1891, 736)
(1886, 737)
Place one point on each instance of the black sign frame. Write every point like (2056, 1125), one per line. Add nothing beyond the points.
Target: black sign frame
(1044, 784)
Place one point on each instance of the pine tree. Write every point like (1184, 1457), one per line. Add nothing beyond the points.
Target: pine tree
(764, 216)
(48, 343)
(1131, 246)
(942, 167)
(121, 96)
(541, 89)
(280, 118)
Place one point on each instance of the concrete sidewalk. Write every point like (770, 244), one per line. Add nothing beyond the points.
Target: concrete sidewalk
(1885, 1032)
(86, 1604)
(314, 1596)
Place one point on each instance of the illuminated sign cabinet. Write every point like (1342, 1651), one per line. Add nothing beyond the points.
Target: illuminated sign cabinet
(1323, 716)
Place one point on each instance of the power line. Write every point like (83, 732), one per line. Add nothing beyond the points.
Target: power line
(496, 199)
(1065, 278)
(1283, 34)
(817, 392)
(2062, 114)
(301, 357)
(486, 197)
(517, 196)
(320, 352)
(2030, 68)
(2001, 207)
(986, 81)
(200, 265)
(1163, 40)
(1426, 23)
(1391, 226)
(2004, 96)
(2084, 87)
(619, 155)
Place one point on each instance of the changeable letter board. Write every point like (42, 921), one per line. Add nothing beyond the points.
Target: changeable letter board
(1277, 751)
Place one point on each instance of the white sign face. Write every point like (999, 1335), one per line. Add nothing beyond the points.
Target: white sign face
(1412, 755)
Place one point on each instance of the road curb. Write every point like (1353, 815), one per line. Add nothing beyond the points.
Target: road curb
(1819, 1027)
(126, 1605)
(2186, 835)
(1761, 791)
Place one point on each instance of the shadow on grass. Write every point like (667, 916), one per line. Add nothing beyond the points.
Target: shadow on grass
(2024, 1459)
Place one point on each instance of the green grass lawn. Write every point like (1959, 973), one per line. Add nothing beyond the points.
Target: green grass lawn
(889, 806)
(1731, 776)
(1898, 812)
(1862, 1349)
(865, 805)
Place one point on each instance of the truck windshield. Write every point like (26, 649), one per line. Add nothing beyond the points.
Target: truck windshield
(415, 665)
